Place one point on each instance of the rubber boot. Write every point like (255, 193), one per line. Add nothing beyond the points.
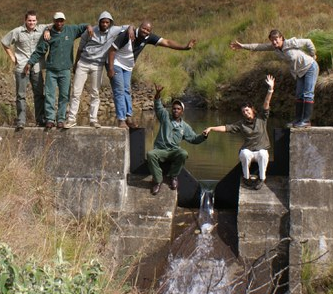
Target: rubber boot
(305, 122)
(298, 114)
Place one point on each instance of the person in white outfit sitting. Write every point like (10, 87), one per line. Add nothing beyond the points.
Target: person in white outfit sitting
(253, 128)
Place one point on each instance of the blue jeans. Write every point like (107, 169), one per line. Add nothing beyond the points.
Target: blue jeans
(121, 88)
(62, 79)
(37, 83)
(305, 86)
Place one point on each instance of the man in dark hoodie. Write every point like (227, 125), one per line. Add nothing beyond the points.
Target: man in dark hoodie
(90, 60)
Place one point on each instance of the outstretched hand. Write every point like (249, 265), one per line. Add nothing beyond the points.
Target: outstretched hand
(191, 44)
(270, 80)
(235, 45)
(158, 89)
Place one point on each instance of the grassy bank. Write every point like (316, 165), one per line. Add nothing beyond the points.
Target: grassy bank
(213, 23)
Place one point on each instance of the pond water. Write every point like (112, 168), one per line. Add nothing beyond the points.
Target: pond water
(212, 159)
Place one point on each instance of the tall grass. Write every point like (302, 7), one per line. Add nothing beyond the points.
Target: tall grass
(47, 241)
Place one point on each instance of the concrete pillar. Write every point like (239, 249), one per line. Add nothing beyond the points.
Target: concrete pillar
(311, 194)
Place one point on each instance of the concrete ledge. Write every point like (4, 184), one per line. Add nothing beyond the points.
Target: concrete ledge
(90, 165)
(262, 217)
(146, 219)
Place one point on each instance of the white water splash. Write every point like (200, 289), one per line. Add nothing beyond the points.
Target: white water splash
(200, 272)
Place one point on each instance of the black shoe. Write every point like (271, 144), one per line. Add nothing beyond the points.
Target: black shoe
(259, 184)
(41, 124)
(156, 188)
(173, 183)
(248, 183)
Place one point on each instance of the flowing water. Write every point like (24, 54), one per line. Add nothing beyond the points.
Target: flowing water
(199, 262)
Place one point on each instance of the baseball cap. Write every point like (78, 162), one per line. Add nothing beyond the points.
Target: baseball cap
(179, 103)
(58, 15)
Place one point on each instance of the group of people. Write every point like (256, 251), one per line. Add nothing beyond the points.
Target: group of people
(117, 48)
(102, 45)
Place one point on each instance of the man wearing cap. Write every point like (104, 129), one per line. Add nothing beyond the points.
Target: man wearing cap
(58, 64)
(173, 129)
(122, 56)
(90, 60)
(24, 39)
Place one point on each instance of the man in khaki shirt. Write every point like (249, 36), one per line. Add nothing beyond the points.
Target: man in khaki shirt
(23, 40)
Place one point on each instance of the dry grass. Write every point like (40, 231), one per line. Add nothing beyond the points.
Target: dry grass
(35, 229)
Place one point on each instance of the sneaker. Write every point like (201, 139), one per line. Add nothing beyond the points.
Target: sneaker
(302, 124)
(95, 124)
(69, 124)
(259, 184)
(122, 124)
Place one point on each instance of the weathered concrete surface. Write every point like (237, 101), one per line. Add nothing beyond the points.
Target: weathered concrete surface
(263, 228)
(311, 192)
(91, 167)
(145, 228)
(262, 217)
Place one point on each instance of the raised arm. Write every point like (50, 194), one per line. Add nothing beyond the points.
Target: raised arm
(176, 46)
(236, 45)
(158, 90)
(270, 80)
(253, 46)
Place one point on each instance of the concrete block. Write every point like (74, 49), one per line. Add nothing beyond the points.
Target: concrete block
(311, 193)
(317, 222)
(295, 258)
(250, 230)
(84, 196)
(252, 250)
(144, 226)
(79, 152)
(310, 153)
(133, 245)
(263, 217)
